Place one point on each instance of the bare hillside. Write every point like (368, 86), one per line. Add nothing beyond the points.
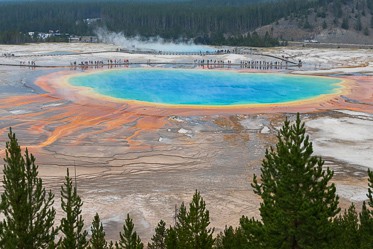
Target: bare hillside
(348, 23)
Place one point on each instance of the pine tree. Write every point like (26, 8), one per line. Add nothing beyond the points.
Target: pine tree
(253, 231)
(346, 230)
(324, 25)
(366, 217)
(199, 221)
(370, 188)
(192, 226)
(111, 245)
(366, 31)
(345, 24)
(158, 239)
(25, 204)
(297, 200)
(366, 228)
(171, 240)
(72, 225)
(358, 25)
(97, 240)
(182, 231)
(129, 238)
(232, 239)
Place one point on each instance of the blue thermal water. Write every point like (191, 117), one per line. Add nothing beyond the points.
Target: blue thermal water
(179, 47)
(200, 87)
(60, 53)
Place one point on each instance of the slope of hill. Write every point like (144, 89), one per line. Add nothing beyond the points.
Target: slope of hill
(333, 21)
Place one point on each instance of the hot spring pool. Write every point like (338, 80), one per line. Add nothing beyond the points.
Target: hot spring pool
(201, 88)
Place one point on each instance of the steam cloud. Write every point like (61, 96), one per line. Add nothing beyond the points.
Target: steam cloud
(153, 43)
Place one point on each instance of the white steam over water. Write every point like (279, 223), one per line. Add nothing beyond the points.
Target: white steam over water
(155, 43)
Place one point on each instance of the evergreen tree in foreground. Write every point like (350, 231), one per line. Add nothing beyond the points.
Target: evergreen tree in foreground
(97, 240)
(72, 225)
(129, 238)
(158, 239)
(192, 227)
(298, 202)
(232, 239)
(370, 188)
(366, 228)
(25, 204)
(366, 217)
(346, 230)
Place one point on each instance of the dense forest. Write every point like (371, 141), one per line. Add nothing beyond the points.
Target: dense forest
(214, 22)
(170, 20)
(299, 209)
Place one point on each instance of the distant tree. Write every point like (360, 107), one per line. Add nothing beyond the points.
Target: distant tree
(129, 238)
(358, 25)
(345, 24)
(298, 200)
(324, 25)
(158, 239)
(26, 206)
(366, 31)
(321, 13)
(337, 8)
(255, 39)
(370, 5)
(307, 25)
(335, 21)
(97, 240)
(72, 225)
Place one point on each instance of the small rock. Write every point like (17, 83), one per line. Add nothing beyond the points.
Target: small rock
(265, 130)
(183, 131)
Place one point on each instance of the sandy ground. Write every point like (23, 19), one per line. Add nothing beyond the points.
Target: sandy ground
(144, 160)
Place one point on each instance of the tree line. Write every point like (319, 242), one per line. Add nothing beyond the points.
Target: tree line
(170, 20)
(210, 21)
(299, 209)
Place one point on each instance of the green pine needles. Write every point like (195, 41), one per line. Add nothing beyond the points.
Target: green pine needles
(97, 240)
(26, 205)
(192, 227)
(72, 225)
(158, 239)
(298, 200)
(128, 237)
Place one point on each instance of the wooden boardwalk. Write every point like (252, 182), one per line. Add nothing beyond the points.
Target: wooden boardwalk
(254, 64)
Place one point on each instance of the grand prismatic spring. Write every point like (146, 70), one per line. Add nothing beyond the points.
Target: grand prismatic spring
(205, 88)
(144, 138)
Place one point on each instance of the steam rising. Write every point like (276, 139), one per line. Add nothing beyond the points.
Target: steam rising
(154, 43)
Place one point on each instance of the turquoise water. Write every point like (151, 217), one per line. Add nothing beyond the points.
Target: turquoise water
(201, 87)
